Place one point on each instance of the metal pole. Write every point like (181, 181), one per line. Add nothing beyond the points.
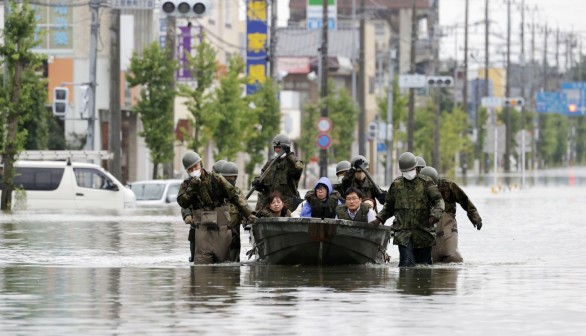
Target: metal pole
(323, 153)
(362, 83)
(354, 98)
(389, 133)
(6, 14)
(273, 41)
(496, 134)
(95, 27)
(509, 125)
(523, 81)
(114, 133)
(411, 115)
(465, 86)
(436, 131)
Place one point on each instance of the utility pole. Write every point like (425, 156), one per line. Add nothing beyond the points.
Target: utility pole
(532, 88)
(362, 83)
(323, 153)
(354, 98)
(170, 41)
(508, 129)
(438, 110)
(545, 66)
(523, 81)
(6, 14)
(465, 87)
(273, 41)
(486, 81)
(411, 116)
(95, 27)
(557, 51)
(114, 133)
(389, 137)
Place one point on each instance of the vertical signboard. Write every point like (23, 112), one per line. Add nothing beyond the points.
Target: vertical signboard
(315, 14)
(256, 44)
(183, 48)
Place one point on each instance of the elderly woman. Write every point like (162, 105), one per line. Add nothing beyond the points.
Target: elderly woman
(354, 209)
(275, 207)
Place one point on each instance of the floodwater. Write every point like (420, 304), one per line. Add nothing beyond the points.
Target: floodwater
(126, 273)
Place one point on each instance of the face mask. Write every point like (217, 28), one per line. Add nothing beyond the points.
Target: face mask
(340, 179)
(195, 173)
(410, 175)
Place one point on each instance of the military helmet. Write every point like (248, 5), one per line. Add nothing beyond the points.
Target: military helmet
(229, 169)
(281, 139)
(407, 161)
(343, 166)
(190, 159)
(420, 162)
(359, 157)
(217, 167)
(431, 172)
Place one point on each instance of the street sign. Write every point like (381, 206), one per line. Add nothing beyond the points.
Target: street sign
(551, 102)
(134, 4)
(324, 124)
(491, 102)
(575, 93)
(412, 81)
(489, 139)
(381, 147)
(324, 141)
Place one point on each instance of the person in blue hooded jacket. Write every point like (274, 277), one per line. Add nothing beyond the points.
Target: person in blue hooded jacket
(321, 202)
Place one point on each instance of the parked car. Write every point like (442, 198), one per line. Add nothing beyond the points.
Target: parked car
(156, 192)
(70, 185)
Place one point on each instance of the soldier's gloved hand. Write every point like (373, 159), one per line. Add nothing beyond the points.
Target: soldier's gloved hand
(358, 164)
(252, 217)
(478, 225)
(382, 197)
(194, 181)
(375, 221)
(432, 220)
(188, 220)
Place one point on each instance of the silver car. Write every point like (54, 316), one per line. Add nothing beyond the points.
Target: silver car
(156, 192)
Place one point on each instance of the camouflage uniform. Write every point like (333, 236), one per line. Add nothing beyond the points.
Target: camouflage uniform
(369, 190)
(235, 222)
(446, 248)
(410, 202)
(283, 177)
(206, 197)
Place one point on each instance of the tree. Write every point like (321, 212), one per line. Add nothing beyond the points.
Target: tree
(25, 87)
(230, 121)
(399, 112)
(268, 118)
(344, 115)
(155, 74)
(454, 125)
(308, 138)
(202, 66)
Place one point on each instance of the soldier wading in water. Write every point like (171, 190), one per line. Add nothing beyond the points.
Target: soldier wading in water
(205, 194)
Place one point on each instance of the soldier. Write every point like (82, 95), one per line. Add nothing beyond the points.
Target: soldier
(420, 164)
(205, 193)
(341, 169)
(217, 167)
(229, 170)
(417, 205)
(356, 178)
(446, 241)
(354, 209)
(283, 176)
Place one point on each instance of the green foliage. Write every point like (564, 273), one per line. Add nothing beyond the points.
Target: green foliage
(19, 100)
(231, 120)
(580, 140)
(268, 118)
(311, 113)
(155, 74)
(203, 68)
(553, 138)
(454, 125)
(400, 111)
(423, 136)
(344, 115)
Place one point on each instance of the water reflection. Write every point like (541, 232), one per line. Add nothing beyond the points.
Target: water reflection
(213, 287)
(427, 280)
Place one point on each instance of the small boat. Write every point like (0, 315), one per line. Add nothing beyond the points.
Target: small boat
(314, 241)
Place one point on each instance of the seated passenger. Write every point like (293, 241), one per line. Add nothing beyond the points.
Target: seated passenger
(275, 208)
(321, 202)
(354, 209)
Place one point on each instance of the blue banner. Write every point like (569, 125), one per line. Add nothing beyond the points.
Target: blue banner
(256, 44)
(551, 102)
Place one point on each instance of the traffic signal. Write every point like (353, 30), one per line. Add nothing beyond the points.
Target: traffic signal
(186, 8)
(84, 95)
(572, 108)
(440, 81)
(372, 130)
(514, 102)
(60, 101)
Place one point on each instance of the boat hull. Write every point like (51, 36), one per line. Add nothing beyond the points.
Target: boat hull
(314, 241)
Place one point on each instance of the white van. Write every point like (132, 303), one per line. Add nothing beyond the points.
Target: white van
(70, 185)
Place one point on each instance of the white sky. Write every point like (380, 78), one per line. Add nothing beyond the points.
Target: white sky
(567, 15)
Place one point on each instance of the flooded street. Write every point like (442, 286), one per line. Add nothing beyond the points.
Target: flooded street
(126, 273)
